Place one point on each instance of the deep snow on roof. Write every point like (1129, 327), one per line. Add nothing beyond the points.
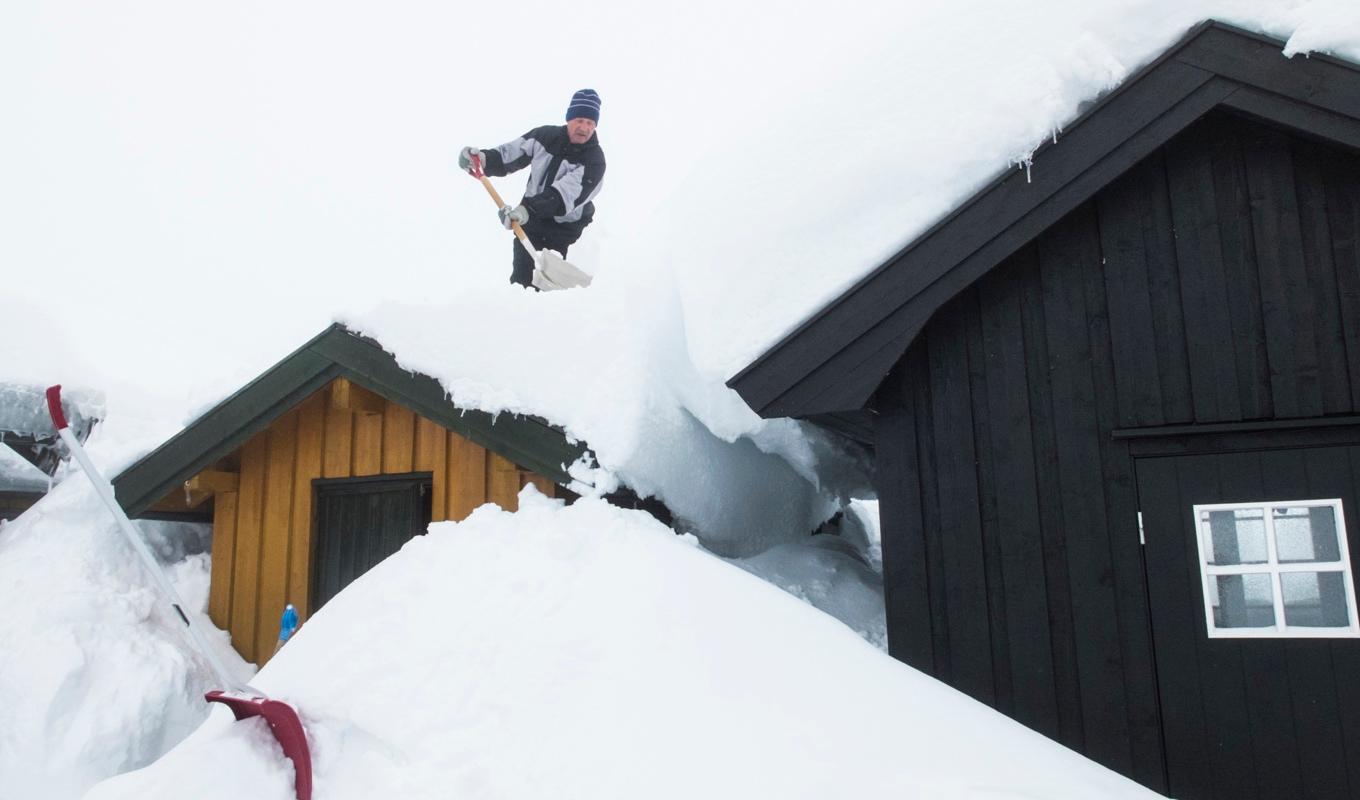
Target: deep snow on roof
(618, 379)
(837, 358)
(925, 114)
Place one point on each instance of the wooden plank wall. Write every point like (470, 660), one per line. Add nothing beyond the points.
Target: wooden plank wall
(1217, 281)
(262, 533)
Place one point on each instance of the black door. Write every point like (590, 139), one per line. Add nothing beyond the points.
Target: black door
(1252, 708)
(361, 521)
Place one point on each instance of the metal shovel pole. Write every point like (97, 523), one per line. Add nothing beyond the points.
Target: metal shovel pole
(105, 491)
(244, 701)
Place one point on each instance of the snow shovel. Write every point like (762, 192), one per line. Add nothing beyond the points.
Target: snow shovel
(551, 271)
(243, 701)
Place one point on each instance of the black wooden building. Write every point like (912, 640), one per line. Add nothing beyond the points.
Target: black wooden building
(1115, 407)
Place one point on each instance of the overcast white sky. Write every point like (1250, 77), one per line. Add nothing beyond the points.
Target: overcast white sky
(189, 191)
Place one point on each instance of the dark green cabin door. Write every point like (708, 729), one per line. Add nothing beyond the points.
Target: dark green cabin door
(1260, 689)
(361, 521)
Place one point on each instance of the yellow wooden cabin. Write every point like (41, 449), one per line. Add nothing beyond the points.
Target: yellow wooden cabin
(326, 464)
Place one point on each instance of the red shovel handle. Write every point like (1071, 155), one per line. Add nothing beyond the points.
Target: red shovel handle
(54, 406)
(284, 724)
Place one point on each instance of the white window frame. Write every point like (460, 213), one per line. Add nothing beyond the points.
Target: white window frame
(1273, 567)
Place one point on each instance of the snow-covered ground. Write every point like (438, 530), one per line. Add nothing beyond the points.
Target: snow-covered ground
(191, 192)
(94, 677)
(587, 651)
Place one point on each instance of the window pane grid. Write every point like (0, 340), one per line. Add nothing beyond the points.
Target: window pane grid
(1274, 554)
(1305, 566)
(1322, 607)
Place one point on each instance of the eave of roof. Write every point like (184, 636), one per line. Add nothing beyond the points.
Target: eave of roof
(336, 352)
(18, 475)
(835, 360)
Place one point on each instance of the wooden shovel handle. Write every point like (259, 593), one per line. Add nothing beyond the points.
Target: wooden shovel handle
(495, 195)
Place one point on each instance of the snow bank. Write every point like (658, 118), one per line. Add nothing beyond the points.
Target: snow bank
(94, 678)
(587, 651)
(830, 574)
(615, 374)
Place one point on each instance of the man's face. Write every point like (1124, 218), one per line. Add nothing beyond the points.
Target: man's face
(580, 129)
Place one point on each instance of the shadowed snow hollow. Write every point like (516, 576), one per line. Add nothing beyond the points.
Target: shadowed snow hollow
(588, 652)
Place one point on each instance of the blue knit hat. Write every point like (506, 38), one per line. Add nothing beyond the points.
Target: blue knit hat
(585, 103)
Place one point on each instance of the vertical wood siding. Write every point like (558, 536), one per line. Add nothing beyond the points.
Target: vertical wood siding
(1216, 281)
(262, 533)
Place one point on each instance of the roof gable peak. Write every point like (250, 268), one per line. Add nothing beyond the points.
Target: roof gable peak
(835, 360)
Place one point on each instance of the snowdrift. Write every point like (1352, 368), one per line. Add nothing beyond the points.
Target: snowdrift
(94, 680)
(610, 367)
(587, 651)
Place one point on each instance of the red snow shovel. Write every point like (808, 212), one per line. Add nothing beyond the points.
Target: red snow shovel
(551, 271)
(243, 701)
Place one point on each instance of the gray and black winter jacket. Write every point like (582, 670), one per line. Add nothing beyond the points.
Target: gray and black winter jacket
(563, 177)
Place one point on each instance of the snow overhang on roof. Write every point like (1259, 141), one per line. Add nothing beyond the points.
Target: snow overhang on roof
(834, 361)
(336, 352)
(26, 429)
(23, 411)
(17, 475)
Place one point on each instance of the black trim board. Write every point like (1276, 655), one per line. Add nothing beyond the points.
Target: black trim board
(1241, 440)
(336, 352)
(358, 483)
(834, 361)
(857, 426)
(1234, 427)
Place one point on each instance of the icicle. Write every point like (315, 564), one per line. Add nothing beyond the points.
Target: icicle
(1025, 162)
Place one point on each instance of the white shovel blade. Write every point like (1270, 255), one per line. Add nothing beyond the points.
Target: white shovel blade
(558, 273)
(542, 283)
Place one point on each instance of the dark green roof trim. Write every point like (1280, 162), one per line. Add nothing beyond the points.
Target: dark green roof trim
(336, 352)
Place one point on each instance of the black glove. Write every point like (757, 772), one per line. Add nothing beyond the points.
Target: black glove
(509, 215)
(465, 158)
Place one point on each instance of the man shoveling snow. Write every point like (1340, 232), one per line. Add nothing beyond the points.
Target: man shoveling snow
(566, 167)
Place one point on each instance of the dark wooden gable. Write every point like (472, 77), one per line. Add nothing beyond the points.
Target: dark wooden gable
(834, 361)
(1206, 304)
(336, 352)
